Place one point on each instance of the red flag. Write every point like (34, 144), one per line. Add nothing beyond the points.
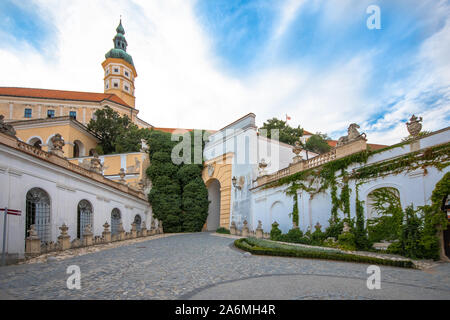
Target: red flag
(288, 118)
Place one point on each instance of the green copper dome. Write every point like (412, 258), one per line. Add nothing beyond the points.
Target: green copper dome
(120, 46)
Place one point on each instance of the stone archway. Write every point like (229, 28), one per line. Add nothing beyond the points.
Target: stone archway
(219, 169)
(213, 221)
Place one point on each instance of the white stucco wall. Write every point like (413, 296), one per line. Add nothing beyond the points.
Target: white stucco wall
(21, 172)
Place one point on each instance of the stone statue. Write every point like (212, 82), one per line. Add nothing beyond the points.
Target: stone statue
(144, 146)
(353, 135)
(414, 125)
(297, 150)
(346, 228)
(122, 175)
(57, 145)
(6, 128)
(96, 164)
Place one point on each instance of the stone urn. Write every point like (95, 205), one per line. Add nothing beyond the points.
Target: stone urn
(414, 125)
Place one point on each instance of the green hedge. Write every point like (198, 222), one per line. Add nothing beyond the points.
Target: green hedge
(261, 247)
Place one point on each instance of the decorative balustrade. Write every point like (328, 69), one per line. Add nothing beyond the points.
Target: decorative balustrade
(335, 153)
(34, 247)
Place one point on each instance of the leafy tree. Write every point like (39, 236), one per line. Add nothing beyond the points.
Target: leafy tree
(317, 143)
(117, 133)
(287, 134)
(179, 197)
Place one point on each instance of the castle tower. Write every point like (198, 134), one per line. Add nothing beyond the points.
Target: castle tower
(119, 69)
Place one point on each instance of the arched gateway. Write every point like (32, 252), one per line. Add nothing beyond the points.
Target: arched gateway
(217, 177)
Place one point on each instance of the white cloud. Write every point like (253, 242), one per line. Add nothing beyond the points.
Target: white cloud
(181, 83)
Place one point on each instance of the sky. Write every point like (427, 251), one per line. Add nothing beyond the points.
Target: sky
(204, 64)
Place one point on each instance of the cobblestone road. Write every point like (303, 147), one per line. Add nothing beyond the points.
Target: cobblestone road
(204, 266)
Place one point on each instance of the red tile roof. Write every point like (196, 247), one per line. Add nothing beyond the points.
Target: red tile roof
(171, 130)
(60, 95)
(373, 147)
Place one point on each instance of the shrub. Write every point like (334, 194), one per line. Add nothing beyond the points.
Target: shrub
(262, 247)
(295, 236)
(335, 228)
(275, 233)
(194, 205)
(223, 230)
(346, 241)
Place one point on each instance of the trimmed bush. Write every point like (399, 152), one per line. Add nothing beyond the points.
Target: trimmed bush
(262, 247)
(223, 230)
(275, 233)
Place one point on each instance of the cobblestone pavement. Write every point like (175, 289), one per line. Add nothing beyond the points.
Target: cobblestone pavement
(204, 266)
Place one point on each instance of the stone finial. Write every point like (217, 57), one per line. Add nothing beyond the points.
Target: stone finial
(64, 238)
(318, 226)
(106, 233)
(141, 185)
(64, 229)
(57, 145)
(414, 125)
(262, 167)
(96, 164)
(245, 230)
(122, 175)
(106, 226)
(6, 128)
(87, 230)
(259, 225)
(233, 228)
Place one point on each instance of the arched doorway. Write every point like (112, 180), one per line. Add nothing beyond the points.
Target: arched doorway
(138, 222)
(213, 220)
(78, 149)
(116, 218)
(84, 217)
(38, 213)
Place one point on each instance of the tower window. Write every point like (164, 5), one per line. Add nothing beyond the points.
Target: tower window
(50, 113)
(116, 85)
(116, 70)
(73, 114)
(28, 113)
(126, 88)
(127, 74)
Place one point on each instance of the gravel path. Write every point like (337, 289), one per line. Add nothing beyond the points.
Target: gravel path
(204, 266)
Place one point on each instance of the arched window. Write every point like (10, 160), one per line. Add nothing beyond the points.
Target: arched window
(138, 222)
(382, 201)
(116, 218)
(36, 142)
(38, 213)
(84, 217)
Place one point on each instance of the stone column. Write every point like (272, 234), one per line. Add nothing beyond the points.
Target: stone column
(133, 231)
(160, 227)
(64, 238)
(233, 228)
(143, 229)
(106, 232)
(259, 231)
(32, 243)
(245, 229)
(88, 236)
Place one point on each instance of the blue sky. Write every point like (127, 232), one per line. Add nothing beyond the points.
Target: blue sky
(206, 63)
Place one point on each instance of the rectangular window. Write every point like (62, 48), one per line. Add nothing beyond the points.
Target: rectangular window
(73, 114)
(126, 88)
(28, 113)
(116, 70)
(127, 74)
(50, 113)
(116, 85)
